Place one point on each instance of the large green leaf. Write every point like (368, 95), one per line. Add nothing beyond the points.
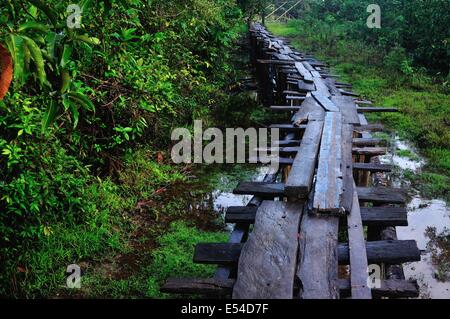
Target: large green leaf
(49, 116)
(16, 46)
(41, 5)
(72, 107)
(82, 100)
(36, 55)
(34, 26)
(65, 58)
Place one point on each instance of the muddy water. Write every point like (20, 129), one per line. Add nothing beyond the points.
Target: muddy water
(429, 225)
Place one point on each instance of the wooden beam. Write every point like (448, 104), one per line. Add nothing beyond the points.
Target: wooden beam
(300, 179)
(347, 108)
(325, 102)
(265, 190)
(329, 188)
(369, 151)
(381, 195)
(376, 109)
(359, 142)
(268, 259)
(357, 252)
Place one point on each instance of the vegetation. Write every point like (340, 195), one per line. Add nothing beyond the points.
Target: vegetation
(387, 69)
(85, 120)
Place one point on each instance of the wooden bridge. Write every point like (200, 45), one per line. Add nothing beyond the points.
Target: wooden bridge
(323, 218)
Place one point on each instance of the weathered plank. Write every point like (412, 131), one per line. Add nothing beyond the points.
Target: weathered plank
(310, 110)
(288, 127)
(357, 252)
(384, 216)
(268, 259)
(376, 109)
(359, 142)
(349, 93)
(307, 77)
(286, 108)
(347, 108)
(347, 168)
(381, 195)
(201, 286)
(369, 127)
(373, 168)
(325, 102)
(300, 179)
(319, 234)
(321, 87)
(260, 189)
(317, 269)
(384, 251)
(369, 151)
(306, 87)
(329, 186)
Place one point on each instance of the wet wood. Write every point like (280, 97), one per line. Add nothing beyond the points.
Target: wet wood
(299, 182)
(202, 286)
(384, 216)
(357, 252)
(329, 186)
(268, 259)
(390, 288)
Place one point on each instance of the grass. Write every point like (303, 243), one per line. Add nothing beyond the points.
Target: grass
(387, 80)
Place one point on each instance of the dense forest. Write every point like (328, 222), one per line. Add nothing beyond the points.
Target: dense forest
(88, 103)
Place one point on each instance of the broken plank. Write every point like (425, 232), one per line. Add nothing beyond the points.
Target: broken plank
(300, 179)
(321, 87)
(357, 253)
(306, 87)
(267, 262)
(325, 102)
(329, 187)
(347, 108)
(310, 110)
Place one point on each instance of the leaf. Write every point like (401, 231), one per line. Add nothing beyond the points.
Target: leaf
(16, 46)
(41, 5)
(6, 67)
(87, 39)
(82, 99)
(65, 81)
(34, 26)
(65, 58)
(72, 107)
(49, 116)
(36, 55)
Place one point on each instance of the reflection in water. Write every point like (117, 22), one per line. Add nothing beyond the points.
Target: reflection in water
(429, 224)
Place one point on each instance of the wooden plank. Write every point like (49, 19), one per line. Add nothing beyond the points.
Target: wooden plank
(369, 151)
(260, 189)
(347, 108)
(287, 143)
(318, 233)
(369, 127)
(307, 77)
(202, 286)
(325, 102)
(329, 187)
(374, 216)
(373, 168)
(349, 93)
(300, 179)
(321, 87)
(289, 127)
(268, 259)
(347, 168)
(357, 252)
(384, 251)
(381, 195)
(286, 108)
(384, 216)
(358, 142)
(310, 110)
(306, 87)
(221, 254)
(376, 109)
(281, 161)
(317, 269)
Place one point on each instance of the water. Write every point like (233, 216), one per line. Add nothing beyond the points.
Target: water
(429, 225)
